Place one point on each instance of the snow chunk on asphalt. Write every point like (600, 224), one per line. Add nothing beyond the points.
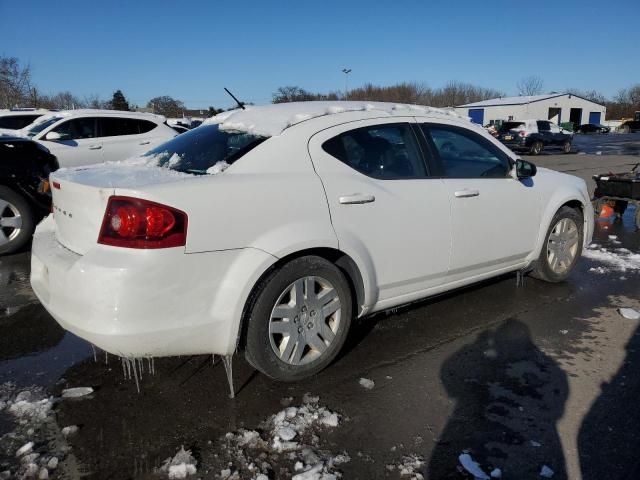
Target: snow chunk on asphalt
(546, 472)
(218, 167)
(23, 450)
(292, 435)
(70, 430)
(619, 259)
(366, 383)
(629, 313)
(180, 465)
(410, 466)
(496, 473)
(472, 467)
(76, 392)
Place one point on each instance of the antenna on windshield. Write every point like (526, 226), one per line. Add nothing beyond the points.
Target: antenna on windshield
(240, 104)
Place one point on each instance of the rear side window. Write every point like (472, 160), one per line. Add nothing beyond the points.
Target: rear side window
(17, 121)
(464, 154)
(388, 151)
(543, 126)
(114, 127)
(78, 128)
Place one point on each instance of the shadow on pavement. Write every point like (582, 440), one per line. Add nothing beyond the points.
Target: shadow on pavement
(609, 437)
(508, 397)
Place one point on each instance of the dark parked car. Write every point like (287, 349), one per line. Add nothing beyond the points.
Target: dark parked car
(593, 128)
(18, 118)
(534, 135)
(25, 196)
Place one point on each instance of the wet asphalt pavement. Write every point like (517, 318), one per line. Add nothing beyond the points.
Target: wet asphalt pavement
(520, 377)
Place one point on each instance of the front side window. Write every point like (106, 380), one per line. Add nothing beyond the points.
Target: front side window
(382, 151)
(77, 128)
(205, 149)
(464, 154)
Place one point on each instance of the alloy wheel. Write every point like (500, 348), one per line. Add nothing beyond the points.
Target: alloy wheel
(305, 320)
(10, 222)
(562, 245)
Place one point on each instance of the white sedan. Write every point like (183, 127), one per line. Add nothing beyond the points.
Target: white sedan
(269, 229)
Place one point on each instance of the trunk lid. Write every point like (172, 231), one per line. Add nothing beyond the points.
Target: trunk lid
(80, 198)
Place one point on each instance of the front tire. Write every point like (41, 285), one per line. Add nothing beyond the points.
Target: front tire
(17, 221)
(566, 147)
(299, 319)
(562, 246)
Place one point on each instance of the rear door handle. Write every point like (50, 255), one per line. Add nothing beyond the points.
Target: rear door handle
(356, 198)
(95, 147)
(466, 193)
(145, 143)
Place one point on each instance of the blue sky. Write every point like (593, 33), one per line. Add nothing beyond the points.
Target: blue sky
(191, 49)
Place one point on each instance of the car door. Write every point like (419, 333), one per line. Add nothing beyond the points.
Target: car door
(385, 208)
(121, 137)
(544, 131)
(78, 144)
(495, 217)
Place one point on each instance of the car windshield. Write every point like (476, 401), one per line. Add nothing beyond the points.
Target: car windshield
(40, 124)
(506, 126)
(203, 150)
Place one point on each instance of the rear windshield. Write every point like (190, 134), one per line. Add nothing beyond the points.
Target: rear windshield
(205, 149)
(506, 126)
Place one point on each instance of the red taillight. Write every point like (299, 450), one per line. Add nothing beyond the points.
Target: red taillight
(136, 223)
(522, 133)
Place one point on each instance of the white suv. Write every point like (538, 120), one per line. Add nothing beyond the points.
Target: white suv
(82, 137)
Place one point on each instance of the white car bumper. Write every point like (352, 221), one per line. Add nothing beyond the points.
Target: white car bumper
(138, 303)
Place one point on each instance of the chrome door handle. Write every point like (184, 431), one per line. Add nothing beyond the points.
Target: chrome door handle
(356, 198)
(145, 143)
(466, 193)
(95, 147)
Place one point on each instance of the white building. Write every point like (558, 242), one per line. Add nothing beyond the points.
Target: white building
(557, 107)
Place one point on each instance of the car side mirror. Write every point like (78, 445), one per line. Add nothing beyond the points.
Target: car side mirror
(525, 169)
(55, 136)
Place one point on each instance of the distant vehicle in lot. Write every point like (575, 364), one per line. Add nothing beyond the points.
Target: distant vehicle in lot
(25, 198)
(18, 118)
(84, 137)
(593, 128)
(180, 128)
(630, 125)
(533, 136)
(269, 229)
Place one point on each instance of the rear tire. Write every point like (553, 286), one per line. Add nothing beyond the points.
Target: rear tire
(536, 148)
(299, 319)
(562, 246)
(17, 221)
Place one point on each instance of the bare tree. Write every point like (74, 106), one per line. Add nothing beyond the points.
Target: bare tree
(167, 106)
(531, 85)
(15, 83)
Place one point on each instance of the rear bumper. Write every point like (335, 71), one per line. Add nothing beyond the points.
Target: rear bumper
(138, 303)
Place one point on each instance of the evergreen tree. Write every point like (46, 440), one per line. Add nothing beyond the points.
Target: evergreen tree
(119, 102)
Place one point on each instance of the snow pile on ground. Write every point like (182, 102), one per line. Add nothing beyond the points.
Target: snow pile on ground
(181, 465)
(617, 259)
(291, 438)
(272, 120)
(366, 383)
(29, 443)
(410, 466)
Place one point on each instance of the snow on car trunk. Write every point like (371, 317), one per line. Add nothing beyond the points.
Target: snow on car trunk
(80, 198)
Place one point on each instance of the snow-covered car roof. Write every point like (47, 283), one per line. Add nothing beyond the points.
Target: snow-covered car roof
(272, 120)
(90, 111)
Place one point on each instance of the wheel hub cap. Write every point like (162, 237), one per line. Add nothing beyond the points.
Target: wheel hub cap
(305, 320)
(562, 246)
(10, 222)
